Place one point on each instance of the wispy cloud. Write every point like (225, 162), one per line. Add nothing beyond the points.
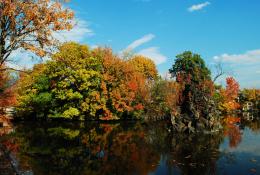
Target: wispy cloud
(151, 52)
(79, 33)
(197, 7)
(140, 42)
(154, 54)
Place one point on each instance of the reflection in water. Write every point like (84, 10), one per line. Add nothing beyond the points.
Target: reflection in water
(232, 130)
(195, 153)
(132, 148)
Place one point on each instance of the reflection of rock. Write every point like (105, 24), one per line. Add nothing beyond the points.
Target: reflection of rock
(248, 106)
(250, 120)
(248, 116)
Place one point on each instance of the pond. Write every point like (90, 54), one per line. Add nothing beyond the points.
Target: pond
(133, 148)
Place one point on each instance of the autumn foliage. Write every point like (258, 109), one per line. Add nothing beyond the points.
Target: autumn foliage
(84, 84)
(90, 84)
(30, 25)
(232, 89)
(144, 66)
(230, 95)
(120, 84)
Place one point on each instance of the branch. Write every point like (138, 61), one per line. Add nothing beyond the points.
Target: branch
(219, 70)
(13, 69)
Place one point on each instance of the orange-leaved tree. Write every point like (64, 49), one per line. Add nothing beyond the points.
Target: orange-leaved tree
(30, 24)
(230, 94)
(147, 74)
(120, 85)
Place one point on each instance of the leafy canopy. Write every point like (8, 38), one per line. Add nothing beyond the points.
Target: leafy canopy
(84, 84)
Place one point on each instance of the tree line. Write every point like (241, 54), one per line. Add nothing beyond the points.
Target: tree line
(96, 84)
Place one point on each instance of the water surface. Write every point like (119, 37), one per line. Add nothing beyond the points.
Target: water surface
(133, 148)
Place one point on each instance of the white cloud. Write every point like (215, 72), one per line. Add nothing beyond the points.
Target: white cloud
(151, 52)
(197, 7)
(79, 32)
(154, 54)
(245, 58)
(244, 67)
(140, 42)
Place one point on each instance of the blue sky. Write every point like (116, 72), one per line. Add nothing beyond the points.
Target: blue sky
(226, 31)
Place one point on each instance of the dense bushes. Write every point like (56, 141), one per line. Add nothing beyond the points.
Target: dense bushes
(79, 83)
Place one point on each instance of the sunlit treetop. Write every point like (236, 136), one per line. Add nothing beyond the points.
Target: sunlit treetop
(145, 66)
(190, 67)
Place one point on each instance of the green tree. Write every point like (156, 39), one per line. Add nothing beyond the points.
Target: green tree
(191, 68)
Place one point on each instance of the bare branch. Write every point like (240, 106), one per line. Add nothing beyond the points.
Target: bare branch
(219, 71)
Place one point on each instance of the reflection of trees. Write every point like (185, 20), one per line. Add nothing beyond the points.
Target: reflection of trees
(232, 130)
(234, 124)
(196, 153)
(234, 134)
(47, 149)
(121, 148)
(92, 149)
(120, 151)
